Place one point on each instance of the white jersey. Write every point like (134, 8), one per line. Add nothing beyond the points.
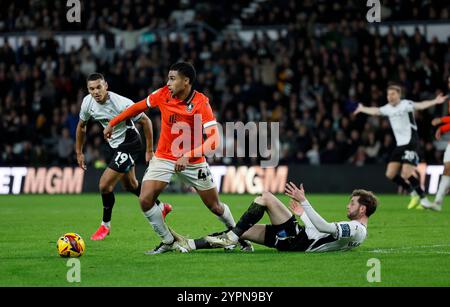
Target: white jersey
(402, 121)
(113, 106)
(348, 235)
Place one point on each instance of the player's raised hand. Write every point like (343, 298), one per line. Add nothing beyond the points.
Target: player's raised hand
(298, 194)
(295, 207)
(437, 135)
(81, 162)
(436, 121)
(358, 109)
(440, 98)
(107, 132)
(181, 164)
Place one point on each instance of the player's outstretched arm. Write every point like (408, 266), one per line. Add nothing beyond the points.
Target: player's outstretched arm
(148, 132)
(298, 194)
(129, 112)
(79, 142)
(367, 110)
(429, 103)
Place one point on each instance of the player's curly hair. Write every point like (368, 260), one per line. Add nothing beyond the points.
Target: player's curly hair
(367, 199)
(186, 69)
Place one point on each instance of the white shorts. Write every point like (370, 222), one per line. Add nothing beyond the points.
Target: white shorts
(197, 175)
(447, 154)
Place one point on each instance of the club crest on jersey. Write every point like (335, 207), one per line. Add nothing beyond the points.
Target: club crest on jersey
(189, 107)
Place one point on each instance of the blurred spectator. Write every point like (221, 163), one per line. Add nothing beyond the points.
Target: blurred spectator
(308, 82)
(65, 147)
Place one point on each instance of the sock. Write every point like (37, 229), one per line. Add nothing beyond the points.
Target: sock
(137, 192)
(200, 243)
(106, 224)
(252, 216)
(155, 218)
(192, 244)
(401, 182)
(442, 190)
(227, 217)
(415, 184)
(108, 204)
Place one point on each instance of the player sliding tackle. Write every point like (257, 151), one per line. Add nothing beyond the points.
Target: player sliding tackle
(181, 106)
(285, 234)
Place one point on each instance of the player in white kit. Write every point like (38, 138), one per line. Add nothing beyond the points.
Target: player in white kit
(401, 168)
(124, 146)
(285, 234)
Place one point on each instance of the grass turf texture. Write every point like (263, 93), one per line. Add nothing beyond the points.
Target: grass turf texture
(413, 246)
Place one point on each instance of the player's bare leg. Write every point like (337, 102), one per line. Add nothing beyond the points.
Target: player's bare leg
(393, 171)
(131, 184)
(107, 183)
(211, 200)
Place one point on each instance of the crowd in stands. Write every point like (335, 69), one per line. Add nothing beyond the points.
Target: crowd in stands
(308, 83)
(43, 15)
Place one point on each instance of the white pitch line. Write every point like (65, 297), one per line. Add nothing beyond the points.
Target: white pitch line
(410, 249)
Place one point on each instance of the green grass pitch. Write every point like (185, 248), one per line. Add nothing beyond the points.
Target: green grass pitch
(413, 246)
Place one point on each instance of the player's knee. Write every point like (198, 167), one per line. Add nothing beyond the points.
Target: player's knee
(405, 175)
(105, 188)
(264, 199)
(131, 186)
(389, 175)
(146, 202)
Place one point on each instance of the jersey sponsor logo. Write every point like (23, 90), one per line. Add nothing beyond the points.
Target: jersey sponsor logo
(345, 230)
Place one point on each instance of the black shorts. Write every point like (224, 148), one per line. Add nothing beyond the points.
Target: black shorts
(289, 236)
(406, 154)
(122, 158)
